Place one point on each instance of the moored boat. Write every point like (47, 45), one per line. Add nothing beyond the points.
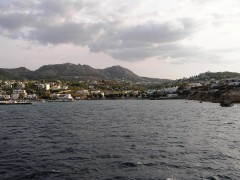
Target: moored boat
(63, 98)
(15, 102)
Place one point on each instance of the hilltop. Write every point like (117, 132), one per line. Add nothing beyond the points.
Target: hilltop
(215, 75)
(211, 75)
(17, 73)
(69, 71)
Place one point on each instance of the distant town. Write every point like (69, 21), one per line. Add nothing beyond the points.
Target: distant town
(60, 90)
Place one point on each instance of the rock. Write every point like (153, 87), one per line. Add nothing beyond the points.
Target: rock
(226, 103)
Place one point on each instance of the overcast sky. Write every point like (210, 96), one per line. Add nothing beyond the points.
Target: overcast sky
(153, 38)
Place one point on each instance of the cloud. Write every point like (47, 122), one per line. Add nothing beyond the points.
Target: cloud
(79, 34)
(159, 32)
(114, 28)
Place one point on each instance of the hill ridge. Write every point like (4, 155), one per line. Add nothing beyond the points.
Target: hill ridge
(70, 71)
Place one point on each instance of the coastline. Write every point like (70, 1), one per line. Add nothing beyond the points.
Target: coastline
(215, 96)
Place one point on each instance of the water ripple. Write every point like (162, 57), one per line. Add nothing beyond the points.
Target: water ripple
(120, 140)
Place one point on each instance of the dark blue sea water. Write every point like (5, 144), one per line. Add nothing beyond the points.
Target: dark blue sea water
(120, 139)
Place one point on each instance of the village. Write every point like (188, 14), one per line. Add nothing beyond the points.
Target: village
(109, 89)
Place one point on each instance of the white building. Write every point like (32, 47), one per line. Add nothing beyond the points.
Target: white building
(47, 87)
(65, 88)
(232, 81)
(98, 92)
(62, 97)
(43, 86)
(31, 96)
(83, 92)
(54, 96)
(56, 87)
(17, 92)
(65, 96)
(2, 92)
(7, 86)
(5, 96)
(195, 85)
(20, 85)
(169, 90)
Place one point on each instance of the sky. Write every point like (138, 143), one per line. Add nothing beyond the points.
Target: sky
(153, 38)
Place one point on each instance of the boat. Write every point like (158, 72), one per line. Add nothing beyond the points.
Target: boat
(63, 98)
(15, 102)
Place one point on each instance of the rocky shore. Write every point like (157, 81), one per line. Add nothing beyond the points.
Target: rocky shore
(217, 96)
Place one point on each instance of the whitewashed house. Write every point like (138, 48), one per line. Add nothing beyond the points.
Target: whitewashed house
(169, 90)
(83, 92)
(232, 81)
(54, 96)
(65, 88)
(2, 92)
(56, 87)
(17, 93)
(98, 92)
(7, 86)
(43, 86)
(31, 96)
(5, 96)
(20, 85)
(193, 85)
(47, 87)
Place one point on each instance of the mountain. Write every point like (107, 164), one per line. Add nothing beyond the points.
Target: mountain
(214, 75)
(121, 73)
(17, 73)
(207, 76)
(65, 71)
(70, 71)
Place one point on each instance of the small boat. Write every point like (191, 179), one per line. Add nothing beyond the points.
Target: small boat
(15, 102)
(226, 103)
(63, 98)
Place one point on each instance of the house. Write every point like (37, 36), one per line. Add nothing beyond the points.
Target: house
(7, 86)
(5, 97)
(56, 87)
(54, 96)
(43, 86)
(65, 88)
(98, 92)
(2, 92)
(19, 93)
(82, 92)
(40, 86)
(62, 97)
(20, 85)
(169, 90)
(31, 96)
(91, 87)
(232, 81)
(195, 85)
(47, 87)
(65, 97)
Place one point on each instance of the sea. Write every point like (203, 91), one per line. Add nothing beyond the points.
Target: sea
(120, 139)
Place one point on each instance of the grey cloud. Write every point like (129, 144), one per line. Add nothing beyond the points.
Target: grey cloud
(160, 33)
(15, 21)
(178, 53)
(145, 40)
(60, 7)
(49, 22)
(6, 5)
(78, 34)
